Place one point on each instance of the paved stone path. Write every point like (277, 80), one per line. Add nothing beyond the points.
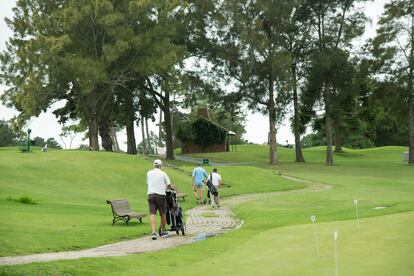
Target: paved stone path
(201, 221)
(311, 187)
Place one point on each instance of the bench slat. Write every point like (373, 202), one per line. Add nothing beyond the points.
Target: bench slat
(122, 211)
(178, 194)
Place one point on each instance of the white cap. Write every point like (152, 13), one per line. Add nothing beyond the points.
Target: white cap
(157, 162)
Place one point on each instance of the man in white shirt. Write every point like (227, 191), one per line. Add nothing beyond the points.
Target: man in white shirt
(215, 179)
(157, 181)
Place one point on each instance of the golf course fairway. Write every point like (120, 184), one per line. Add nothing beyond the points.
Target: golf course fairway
(277, 238)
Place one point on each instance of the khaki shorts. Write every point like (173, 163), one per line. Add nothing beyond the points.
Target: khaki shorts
(157, 202)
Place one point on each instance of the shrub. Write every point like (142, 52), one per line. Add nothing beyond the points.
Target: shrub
(23, 200)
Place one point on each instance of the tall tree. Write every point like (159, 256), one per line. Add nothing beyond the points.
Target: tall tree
(162, 98)
(154, 36)
(114, 139)
(393, 47)
(71, 131)
(161, 87)
(61, 48)
(125, 109)
(82, 51)
(144, 140)
(336, 24)
(160, 130)
(383, 117)
(298, 45)
(149, 144)
(247, 44)
(7, 135)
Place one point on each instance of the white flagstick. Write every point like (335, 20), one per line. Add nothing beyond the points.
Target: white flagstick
(315, 234)
(356, 210)
(335, 236)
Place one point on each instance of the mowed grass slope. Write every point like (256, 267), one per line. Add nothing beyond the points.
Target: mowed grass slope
(377, 248)
(314, 155)
(277, 236)
(71, 188)
(376, 176)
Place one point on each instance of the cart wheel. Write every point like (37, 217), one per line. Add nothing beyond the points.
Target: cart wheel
(177, 231)
(182, 230)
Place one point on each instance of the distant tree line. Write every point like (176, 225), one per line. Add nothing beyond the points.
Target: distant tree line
(115, 63)
(9, 137)
(50, 142)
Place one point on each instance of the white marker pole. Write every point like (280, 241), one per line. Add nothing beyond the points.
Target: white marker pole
(315, 234)
(356, 211)
(335, 236)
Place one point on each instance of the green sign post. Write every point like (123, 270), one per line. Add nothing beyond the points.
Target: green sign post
(29, 142)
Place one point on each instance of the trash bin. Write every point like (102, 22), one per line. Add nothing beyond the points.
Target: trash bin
(26, 143)
(405, 156)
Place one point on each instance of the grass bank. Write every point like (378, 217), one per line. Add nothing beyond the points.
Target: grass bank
(277, 237)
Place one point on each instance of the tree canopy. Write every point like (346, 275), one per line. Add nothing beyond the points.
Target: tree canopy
(115, 64)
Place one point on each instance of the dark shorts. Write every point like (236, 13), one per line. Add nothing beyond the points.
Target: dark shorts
(157, 202)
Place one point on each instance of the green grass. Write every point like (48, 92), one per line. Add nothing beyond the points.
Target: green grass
(70, 189)
(377, 248)
(23, 200)
(315, 155)
(276, 238)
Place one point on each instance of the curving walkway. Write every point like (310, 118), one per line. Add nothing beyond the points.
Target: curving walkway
(202, 222)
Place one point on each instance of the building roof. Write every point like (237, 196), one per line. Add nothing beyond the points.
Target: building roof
(229, 132)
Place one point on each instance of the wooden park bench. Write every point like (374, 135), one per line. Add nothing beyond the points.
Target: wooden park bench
(122, 211)
(178, 194)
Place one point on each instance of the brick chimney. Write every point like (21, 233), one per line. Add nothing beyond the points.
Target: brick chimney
(203, 112)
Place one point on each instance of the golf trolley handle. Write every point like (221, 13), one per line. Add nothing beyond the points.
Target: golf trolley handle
(171, 188)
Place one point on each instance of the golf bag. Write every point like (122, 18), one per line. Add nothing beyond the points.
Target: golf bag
(175, 214)
(212, 190)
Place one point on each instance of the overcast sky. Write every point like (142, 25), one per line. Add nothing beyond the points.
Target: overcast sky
(257, 125)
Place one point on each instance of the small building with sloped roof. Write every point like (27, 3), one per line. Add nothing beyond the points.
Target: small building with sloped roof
(204, 135)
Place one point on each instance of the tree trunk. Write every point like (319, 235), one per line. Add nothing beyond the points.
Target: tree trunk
(272, 124)
(63, 141)
(328, 124)
(160, 144)
(168, 128)
(338, 140)
(298, 145)
(93, 121)
(104, 133)
(411, 96)
(114, 139)
(411, 131)
(149, 144)
(131, 143)
(71, 141)
(144, 145)
(93, 133)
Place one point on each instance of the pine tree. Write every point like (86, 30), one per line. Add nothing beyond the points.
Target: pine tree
(393, 48)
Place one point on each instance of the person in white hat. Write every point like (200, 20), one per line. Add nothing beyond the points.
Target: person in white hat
(158, 181)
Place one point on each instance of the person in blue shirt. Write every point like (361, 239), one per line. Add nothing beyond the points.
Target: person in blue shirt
(199, 175)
